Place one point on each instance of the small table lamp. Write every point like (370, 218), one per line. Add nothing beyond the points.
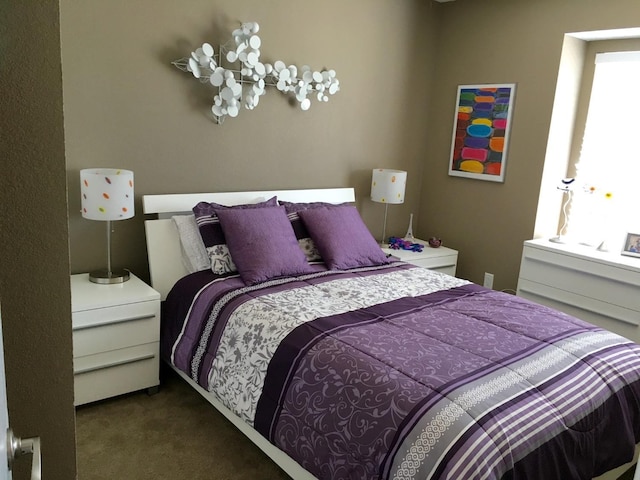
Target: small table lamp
(107, 195)
(387, 186)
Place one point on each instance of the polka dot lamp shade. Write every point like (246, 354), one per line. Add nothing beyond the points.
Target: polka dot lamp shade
(387, 185)
(107, 194)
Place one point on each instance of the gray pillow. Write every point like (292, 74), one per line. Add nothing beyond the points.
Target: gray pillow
(194, 255)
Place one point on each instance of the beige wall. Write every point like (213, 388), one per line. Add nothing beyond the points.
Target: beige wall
(501, 41)
(127, 106)
(399, 63)
(34, 257)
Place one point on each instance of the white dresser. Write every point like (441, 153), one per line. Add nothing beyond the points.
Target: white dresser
(116, 334)
(602, 288)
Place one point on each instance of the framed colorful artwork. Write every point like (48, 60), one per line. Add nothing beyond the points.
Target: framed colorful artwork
(481, 127)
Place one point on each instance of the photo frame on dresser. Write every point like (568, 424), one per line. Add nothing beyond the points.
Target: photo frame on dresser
(631, 245)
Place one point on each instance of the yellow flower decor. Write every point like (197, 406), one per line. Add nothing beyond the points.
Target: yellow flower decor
(593, 190)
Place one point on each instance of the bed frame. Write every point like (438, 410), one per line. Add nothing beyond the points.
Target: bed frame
(165, 267)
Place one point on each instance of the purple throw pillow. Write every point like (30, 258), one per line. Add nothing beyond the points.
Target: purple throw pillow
(304, 239)
(342, 238)
(262, 244)
(207, 220)
(294, 208)
(212, 235)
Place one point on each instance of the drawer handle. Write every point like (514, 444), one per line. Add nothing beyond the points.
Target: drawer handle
(115, 364)
(114, 322)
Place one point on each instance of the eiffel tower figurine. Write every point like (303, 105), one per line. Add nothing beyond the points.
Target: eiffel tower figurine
(409, 235)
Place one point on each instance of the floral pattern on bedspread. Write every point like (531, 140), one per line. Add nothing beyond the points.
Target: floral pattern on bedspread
(256, 328)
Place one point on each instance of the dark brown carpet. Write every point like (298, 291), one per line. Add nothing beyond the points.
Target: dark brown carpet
(175, 434)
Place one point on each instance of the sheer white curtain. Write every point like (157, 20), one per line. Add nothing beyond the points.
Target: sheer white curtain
(606, 200)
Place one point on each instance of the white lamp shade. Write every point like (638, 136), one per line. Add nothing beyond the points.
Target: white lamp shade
(387, 185)
(107, 194)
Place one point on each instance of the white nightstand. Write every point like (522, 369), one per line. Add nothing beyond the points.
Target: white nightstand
(116, 338)
(441, 259)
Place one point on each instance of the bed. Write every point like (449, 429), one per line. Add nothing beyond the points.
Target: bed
(346, 364)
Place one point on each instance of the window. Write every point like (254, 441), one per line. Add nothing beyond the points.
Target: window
(606, 199)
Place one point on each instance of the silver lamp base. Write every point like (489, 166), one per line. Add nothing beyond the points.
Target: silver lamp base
(107, 277)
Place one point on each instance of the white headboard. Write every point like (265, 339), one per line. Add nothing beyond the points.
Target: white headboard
(163, 243)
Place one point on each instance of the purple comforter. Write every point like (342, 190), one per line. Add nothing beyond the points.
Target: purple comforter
(398, 372)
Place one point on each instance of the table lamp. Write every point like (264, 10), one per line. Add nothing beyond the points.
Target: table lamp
(387, 186)
(107, 195)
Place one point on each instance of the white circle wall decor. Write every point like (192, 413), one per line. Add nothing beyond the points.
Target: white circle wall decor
(206, 65)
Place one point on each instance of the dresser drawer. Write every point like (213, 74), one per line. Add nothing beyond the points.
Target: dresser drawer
(116, 327)
(593, 280)
(598, 287)
(604, 314)
(115, 372)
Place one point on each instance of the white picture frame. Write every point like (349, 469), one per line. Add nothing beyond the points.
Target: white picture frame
(631, 245)
(481, 128)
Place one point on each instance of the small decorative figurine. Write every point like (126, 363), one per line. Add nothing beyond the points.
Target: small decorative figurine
(435, 242)
(409, 235)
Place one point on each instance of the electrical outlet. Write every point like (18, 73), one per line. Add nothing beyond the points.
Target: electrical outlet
(488, 280)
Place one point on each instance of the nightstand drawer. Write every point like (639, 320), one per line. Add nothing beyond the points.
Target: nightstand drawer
(116, 372)
(117, 327)
(441, 259)
(440, 264)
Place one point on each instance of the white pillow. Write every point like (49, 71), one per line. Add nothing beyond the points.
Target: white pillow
(194, 254)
